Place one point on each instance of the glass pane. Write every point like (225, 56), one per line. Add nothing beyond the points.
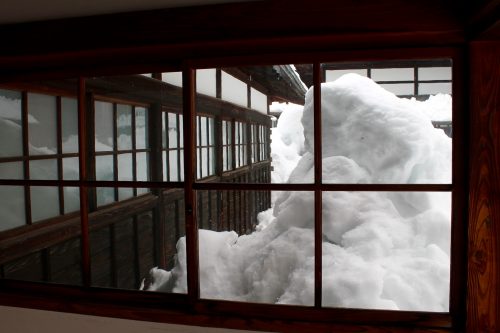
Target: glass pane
(163, 130)
(12, 206)
(372, 136)
(285, 83)
(173, 129)
(166, 166)
(387, 250)
(252, 253)
(125, 171)
(69, 119)
(105, 196)
(103, 126)
(142, 167)
(104, 167)
(44, 202)
(71, 169)
(173, 165)
(11, 124)
(71, 199)
(12, 170)
(43, 169)
(42, 125)
(124, 126)
(141, 127)
(181, 132)
(131, 251)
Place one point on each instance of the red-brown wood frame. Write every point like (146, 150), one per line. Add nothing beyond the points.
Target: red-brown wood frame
(179, 309)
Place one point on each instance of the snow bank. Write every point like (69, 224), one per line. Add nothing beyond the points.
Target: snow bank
(381, 250)
(287, 140)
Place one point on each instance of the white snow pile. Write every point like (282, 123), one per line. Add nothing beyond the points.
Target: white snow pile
(380, 250)
(287, 140)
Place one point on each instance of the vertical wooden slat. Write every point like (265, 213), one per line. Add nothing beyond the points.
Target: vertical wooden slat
(134, 152)
(26, 164)
(83, 162)
(459, 194)
(193, 282)
(483, 291)
(90, 170)
(59, 152)
(318, 232)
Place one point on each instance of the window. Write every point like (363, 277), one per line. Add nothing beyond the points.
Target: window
(351, 189)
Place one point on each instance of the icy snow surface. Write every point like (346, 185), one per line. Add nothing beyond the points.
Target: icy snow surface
(380, 250)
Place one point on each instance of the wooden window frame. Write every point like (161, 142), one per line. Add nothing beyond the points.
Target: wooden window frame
(186, 308)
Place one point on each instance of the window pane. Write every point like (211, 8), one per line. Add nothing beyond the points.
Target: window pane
(173, 128)
(12, 207)
(181, 132)
(12, 170)
(163, 130)
(10, 123)
(104, 167)
(69, 119)
(141, 127)
(43, 169)
(142, 167)
(43, 125)
(248, 254)
(372, 136)
(103, 126)
(71, 199)
(173, 166)
(124, 249)
(387, 250)
(105, 195)
(71, 170)
(44, 202)
(124, 126)
(125, 173)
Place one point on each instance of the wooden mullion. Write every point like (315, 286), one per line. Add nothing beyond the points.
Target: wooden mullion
(84, 158)
(134, 152)
(189, 94)
(115, 150)
(59, 152)
(166, 122)
(318, 174)
(178, 148)
(219, 147)
(26, 164)
(90, 152)
(233, 144)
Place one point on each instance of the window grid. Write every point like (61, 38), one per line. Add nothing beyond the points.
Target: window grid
(205, 146)
(123, 153)
(227, 157)
(172, 146)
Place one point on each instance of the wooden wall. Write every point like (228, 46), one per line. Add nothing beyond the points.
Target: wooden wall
(483, 298)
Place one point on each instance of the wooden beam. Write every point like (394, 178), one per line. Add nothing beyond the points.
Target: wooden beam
(483, 292)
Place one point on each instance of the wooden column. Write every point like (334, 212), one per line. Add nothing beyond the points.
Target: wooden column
(483, 291)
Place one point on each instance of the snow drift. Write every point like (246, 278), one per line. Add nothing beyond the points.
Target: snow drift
(381, 250)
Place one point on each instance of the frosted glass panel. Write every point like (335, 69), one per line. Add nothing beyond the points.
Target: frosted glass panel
(43, 128)
(332, 75)
(234, 90)
(12, 207)
(141, 125)
(258, 101)
(142, 167)
(434, 88)
(434, 73)
(104, 167)
(399, 88)
(124, 126)
(12, 170)
(71, 199)
(44, 202)
(103, 126)
(71, 169)
(10, 123)
(69, 118)
(205, 82)
(44, 169)
(392, 74)
(174, 78)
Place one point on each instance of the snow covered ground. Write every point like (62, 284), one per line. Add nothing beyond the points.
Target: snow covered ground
(381, 250)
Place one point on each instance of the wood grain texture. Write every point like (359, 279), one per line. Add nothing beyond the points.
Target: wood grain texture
(483, 301)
